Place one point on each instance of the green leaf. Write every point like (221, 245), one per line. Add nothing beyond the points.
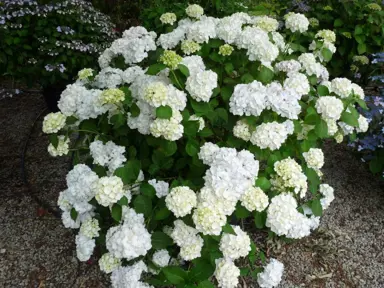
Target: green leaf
(147, 190)
(228, 67)
(129, 172)
(71, 120)
(116, 212)
(247, 78)
(200, 108)
(265, 75)
(74, 214)
(206, 132)
(322, 90)
(192, 147)
(118, 120)
(358, 30)
(168, 147)
(54, 140)
(206, 284)
(160, 240)
(263, 183)
(162, 213)
(338, 23)
(143, 204)
(349, 119)
(183, 69)
(362, 104)
(155, 68)
(316, 207)
(222, 114)
(260, 218)
(327, 54)
(321, 129)
(191, 128)
(241, 212)
(175, 274)
(215, 43)
(164, 112)
(202, 270)
(226, 92)
(123, 201)
(361, 48)
(135, 110)
(227, 228)
(99, 170)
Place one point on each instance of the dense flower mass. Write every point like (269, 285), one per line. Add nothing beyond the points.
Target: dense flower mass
(218, 120)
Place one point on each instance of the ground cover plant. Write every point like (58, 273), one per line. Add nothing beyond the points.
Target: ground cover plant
(182, 136)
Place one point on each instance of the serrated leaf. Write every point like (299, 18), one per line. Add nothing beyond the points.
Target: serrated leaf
(201, 271)
(321, 129)
(74, 214)
(206, 132)
(147, 190)
(116, 212)
(226, 92)
(316, 207)
(135, 110)
(160, 240)
(322, 90)
(175, 274)
(123, 201)
(192, 148)
(53, 139)
(227, 228)
(263, 183)
(241, 212)
(143, 204)
(260, 218)
(129, 172)
(183, 69)
(164, 112)
(162, 213)
(362, 104)
(327, 54)
(155, 68)
(349, 119)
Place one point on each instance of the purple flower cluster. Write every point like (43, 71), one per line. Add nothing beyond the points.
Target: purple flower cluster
(51, 68)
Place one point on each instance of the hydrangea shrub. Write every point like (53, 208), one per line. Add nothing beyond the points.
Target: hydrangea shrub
(49, 41)
(212, 123)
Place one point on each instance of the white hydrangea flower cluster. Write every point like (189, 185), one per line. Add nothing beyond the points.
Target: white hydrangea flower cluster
(90, 228)
(272, 135)
(108, 263)
(129, 276)
(266, 23)
(81, 188)
(284, 219)
(226, 273)
(108, 154)
(62, 147)
(235, 246)
(54, 122)
(194, 11)
(241, 130)
(84, 247)
(188, 240)
(328, 193)
(134, 47)
(342, 87)
(129, 240)
(109, 77)
(161, 187)
(181, 200)
(255, 199)
(329, 107)
(296, 22)
(312, 67)
(109, 190)
(314, 158)
(272, 274)
(168, 18)
(76, 100)
(289, 176)
(200, 85)
(161, 258)
(288, 66)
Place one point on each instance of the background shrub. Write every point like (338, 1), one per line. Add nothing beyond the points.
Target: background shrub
(47, 42)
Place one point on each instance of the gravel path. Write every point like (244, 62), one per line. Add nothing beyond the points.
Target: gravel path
(37, 251)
